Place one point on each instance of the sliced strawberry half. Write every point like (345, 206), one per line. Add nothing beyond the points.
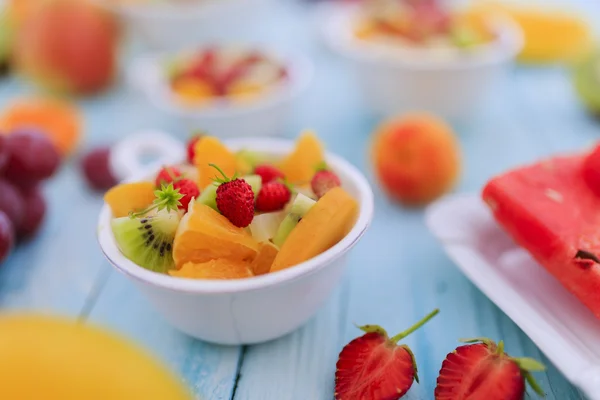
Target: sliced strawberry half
(375, 367)
(482, 370)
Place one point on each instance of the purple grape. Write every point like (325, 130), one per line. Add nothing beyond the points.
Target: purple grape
(35, 212)
(32, 158)
(7, 236)
(3, 153)
(95, 166)
(11, 202)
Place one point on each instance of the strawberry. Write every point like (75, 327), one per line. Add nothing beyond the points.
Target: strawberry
(482, 370)
(188, 189)
(374, 367)
(167, 175)
(235, 199)
(273, 196)
(190, 147)
(268, 172)
(323, 181)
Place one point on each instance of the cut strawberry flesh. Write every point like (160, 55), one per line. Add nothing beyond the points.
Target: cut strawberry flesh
(550, 210)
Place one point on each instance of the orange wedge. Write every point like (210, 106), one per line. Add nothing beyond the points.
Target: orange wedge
(214, 269)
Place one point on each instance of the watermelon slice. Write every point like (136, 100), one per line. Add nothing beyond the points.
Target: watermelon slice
(552, 209)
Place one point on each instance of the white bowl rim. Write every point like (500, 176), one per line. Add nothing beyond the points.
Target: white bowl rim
(300, 68)
(124, 265)
(175, 12)
(507, 47)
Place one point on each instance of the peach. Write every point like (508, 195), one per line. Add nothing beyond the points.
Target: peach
(416, 158)
(68, 46)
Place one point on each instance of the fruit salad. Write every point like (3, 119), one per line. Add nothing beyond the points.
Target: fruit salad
(231, 215)
(420, 24)
(223, 73)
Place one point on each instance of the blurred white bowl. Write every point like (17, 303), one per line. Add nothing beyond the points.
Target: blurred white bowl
(168, 25)
(252, 310)
(400, 80)
(263, 116)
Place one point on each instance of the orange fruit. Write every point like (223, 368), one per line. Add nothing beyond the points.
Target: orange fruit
(264, 259)
(301, 164)
(214, 269)
(209, 150)
(128, 197)
(205, 235)
(59, 120)
(192, 90)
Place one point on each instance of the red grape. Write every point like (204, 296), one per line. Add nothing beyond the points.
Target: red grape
(32, 158)
(11, 202)
(3, 153)
(95, 166)
(35, 211)
(7, 236)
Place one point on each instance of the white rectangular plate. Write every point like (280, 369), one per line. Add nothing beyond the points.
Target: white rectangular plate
(554, 319)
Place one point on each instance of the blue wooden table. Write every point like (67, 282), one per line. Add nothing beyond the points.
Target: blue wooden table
(396, 275)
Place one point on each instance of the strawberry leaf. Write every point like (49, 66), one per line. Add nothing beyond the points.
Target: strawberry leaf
(490, 343)
(529, 364)
(414, 361)
(533, 383)
(373, 328)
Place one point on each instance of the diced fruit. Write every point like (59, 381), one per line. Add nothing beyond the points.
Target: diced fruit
(324, 225)
(188, 189)
(7, 236)
(193, 91)
(32, 159)
(11, 202)
(147, 240)
(255, 183)
(374, 367)
(59, 121)
(191, 146)
(214, 269)
(247, 161)
(245, 91)
(235, 200)
(96, 169)
(264, 226)
(204, 235)
(166, 175)
(264, 259)
(268, 172)
(129, 197)
(416, 158)
(35, 212)
(300, 165)
(299, 209)
(482, 370)
(323, 181)
(209, 196)
(210, 150)
(273, 197)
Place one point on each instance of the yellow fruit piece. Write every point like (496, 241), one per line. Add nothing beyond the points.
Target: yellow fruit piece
(214, 269)
(204, 235)
(551, 35)
(323, 226)
(55, 358)
(300, 166)
(245, 91)
(264, 259)
(128, 197)
(192, 91)
(209, 150)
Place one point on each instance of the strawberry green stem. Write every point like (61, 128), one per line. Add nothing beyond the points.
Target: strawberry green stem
(220, 171)
(166, 197)
(500, 348)
(416, 326)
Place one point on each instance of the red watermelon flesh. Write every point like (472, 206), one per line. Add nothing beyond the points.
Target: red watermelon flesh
(550, 210)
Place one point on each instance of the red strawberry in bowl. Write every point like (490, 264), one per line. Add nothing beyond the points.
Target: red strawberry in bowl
(481, 370)
(235, 199)
(323, 181)
(167, 175)
(273, 196)
(268, 172)
(375, 367)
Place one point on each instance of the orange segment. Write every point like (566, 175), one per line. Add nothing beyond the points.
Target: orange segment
(192, 90)
(209, 150)
(128, 197)
(204, 234)
(324, 225)
(214, 269)
(59, 120)
(264, 259)
(300, 166)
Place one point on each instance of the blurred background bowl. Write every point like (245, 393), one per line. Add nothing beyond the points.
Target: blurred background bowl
(449, 85)
(264, 116)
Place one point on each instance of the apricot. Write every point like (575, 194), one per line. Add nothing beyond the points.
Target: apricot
(416, 158)
(47, 357)
(128, 197)
(68, 46)
(59, 120)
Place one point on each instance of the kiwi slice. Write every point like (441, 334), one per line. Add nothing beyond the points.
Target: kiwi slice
(302, 204)
(254, 158)
(148, 240)
(586, 80)
(264, 226)
(209, 194)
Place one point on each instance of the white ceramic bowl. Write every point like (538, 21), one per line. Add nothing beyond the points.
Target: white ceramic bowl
(266, 116)
(257, 309)
(170, 25)
(401, 81)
